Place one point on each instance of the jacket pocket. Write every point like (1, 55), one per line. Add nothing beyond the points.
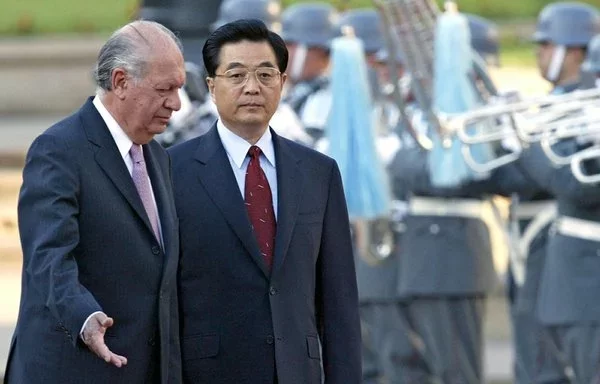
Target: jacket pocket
(201, 346)
(312, 344)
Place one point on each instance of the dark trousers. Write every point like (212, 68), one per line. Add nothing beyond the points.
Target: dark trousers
(580, 345)
(450, 332)
(386, 341)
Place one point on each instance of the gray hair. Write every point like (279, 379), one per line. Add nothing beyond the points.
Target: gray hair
(126, 49)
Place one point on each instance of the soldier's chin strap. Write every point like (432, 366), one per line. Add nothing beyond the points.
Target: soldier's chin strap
(556, 63)
(297, 64)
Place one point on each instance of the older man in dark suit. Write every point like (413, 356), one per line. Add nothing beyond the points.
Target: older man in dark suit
(267, 281)
(99, 230)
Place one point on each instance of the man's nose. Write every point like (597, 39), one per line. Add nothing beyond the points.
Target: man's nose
(173, 102)
(252, 85)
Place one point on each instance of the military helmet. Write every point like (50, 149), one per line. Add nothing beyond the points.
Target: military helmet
(592, 61)
(382, 56)
(484, 36)
(567, 23)
(268, 11)
(367, 26)
(311, 24)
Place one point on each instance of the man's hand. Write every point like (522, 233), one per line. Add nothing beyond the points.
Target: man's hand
(93, 337)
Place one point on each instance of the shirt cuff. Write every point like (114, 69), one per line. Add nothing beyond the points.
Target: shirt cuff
(85, 323)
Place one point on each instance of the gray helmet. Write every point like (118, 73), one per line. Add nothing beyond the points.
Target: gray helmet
(268, 11)
(311, 24)
(382, 56)
(592, 62)
(484, 36)
(367, 26)
(567, 23)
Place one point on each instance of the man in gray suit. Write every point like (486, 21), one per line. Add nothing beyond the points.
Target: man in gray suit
(99, 230)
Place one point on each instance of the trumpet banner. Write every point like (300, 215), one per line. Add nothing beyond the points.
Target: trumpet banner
(454, 91)
(351, 131)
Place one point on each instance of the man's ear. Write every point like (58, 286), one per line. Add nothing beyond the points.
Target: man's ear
(283, 79)
(210, 82)
(119, 82)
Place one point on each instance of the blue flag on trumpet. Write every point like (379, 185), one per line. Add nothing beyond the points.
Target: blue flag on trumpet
(453, 92)
(351, 132)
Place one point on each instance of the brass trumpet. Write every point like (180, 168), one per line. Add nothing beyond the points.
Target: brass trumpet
(578, 161)
(547, 119)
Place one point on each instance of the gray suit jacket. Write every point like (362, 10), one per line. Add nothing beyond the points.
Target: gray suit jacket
(88, 246)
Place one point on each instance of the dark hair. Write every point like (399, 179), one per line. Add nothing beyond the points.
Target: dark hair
(236, 31)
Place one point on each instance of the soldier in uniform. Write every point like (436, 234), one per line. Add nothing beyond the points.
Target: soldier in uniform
(562, 33)
(385, 338)
(591, 66)
(365, 23)
(307, 29)
(484, 38)
(567, 295)
(446, 269)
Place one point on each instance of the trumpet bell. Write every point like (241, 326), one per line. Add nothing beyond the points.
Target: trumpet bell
(578, 164)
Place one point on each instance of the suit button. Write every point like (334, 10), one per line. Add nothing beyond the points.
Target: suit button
(156, 250)
(434, 229)
(269, 339)
(151, 342)
(272, 291)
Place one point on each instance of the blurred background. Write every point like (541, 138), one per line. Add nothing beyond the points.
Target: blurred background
(47, 50)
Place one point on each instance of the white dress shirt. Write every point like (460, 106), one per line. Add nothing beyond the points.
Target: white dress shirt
(237, 152)
(124, 144)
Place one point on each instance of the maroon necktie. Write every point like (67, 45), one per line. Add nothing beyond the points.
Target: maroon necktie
(259, 204)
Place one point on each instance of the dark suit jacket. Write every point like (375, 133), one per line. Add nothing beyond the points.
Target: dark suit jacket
(239, 323)
(88, 246)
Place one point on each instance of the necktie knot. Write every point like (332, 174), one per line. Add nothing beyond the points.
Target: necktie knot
(254, 152)
(136, 153)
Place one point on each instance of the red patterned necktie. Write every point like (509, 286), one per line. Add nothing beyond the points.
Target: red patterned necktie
(259, 204)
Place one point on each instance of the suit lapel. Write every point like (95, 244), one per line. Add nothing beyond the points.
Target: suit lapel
(166, 210)
(160, 194)
(289, 187)
(218, 180)
(109, 159)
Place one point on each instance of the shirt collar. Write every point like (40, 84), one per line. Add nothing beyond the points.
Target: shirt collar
(123, 141)
(237, 148)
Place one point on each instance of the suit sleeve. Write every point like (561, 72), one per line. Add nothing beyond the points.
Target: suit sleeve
(337, 297)
(48, 209)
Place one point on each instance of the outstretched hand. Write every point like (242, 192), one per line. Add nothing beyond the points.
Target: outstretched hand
(93, 337)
